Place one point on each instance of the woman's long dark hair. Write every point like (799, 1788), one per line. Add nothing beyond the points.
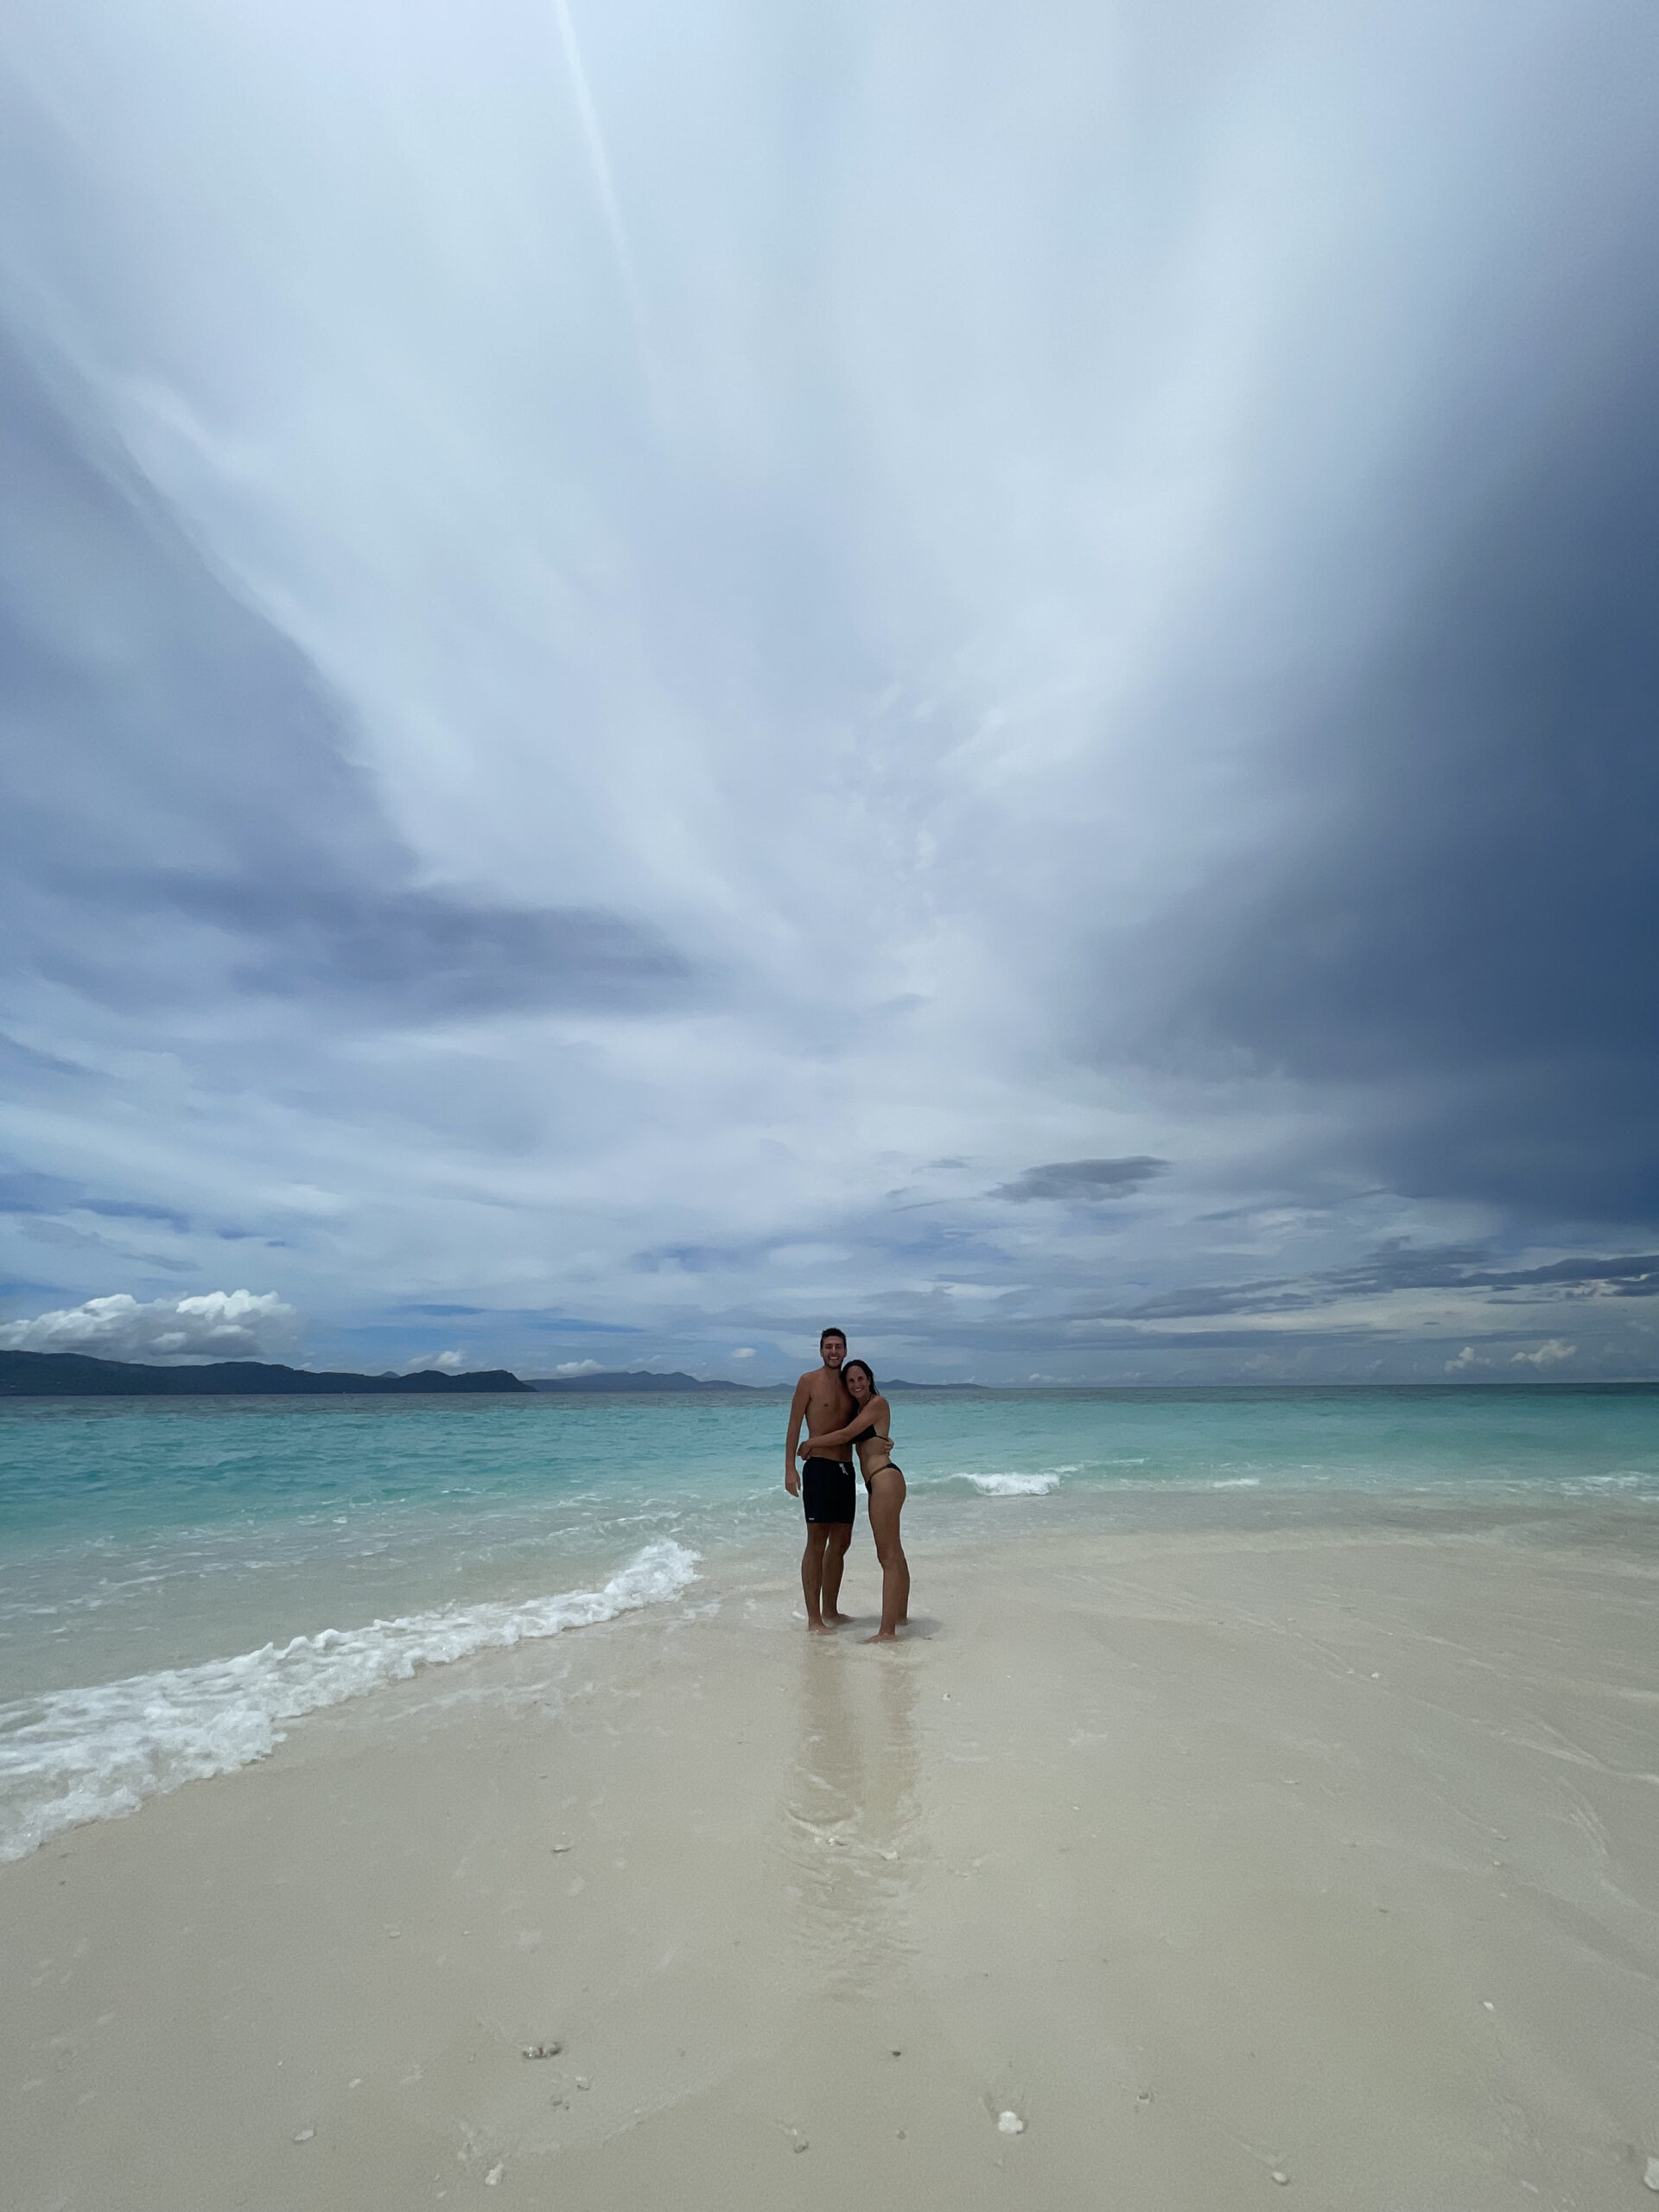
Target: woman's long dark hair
(869, 1376)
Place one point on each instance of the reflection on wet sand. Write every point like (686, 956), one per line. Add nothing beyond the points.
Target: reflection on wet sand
(851, 1829)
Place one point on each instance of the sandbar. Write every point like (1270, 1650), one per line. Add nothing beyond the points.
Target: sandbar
(1300, 1857)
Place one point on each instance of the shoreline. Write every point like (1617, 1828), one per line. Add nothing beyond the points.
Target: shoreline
(1208, 1854)
(113, 1744)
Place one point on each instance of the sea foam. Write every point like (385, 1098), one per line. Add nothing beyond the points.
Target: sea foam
(93, 1754)
(1015, 1485)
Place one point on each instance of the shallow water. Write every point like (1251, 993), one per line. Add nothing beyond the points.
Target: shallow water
(162, 1558)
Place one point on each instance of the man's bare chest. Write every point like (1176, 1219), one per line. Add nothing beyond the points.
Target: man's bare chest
(827, 1408)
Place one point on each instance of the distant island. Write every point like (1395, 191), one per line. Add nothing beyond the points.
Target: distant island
(74, 1374)
(77, 1375)
(634, 1380)
(640, 1380)
(899, 1383)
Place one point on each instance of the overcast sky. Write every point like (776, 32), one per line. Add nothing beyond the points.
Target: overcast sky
(987, 673)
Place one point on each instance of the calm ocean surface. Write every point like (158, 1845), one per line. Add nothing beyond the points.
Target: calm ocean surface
(181, 1578)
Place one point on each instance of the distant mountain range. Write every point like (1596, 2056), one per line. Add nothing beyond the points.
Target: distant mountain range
(74, 1375)
(899, 1383)
(635, 1382)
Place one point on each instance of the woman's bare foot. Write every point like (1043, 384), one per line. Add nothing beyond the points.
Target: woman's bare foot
(883, 1635)
(837, 1620)
(819, 1628)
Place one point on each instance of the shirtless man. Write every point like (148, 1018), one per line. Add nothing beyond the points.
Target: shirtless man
(822, 1400)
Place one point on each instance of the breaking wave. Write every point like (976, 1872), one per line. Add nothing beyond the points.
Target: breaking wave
(93, 1754)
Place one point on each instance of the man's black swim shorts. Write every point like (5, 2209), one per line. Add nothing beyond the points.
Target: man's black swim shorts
(827, 1490)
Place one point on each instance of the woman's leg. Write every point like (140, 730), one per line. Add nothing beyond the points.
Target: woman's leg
(887, 1503)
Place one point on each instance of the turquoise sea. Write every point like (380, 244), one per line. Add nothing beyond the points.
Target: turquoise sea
(182, 1579)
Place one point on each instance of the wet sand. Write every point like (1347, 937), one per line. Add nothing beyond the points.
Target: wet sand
(1317, 1860)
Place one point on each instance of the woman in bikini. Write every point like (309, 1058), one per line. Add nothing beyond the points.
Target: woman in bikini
(872, 1419)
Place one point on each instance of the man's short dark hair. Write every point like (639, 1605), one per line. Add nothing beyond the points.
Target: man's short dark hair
(822, 1333)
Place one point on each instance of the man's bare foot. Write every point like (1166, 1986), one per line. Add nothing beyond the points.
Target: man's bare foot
(883, 1635)
(837, 1620)
(819, 1628)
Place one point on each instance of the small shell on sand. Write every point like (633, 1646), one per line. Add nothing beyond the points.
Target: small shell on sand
(1650, 2176)
(802, 2146)
(1010, 2123)
(1281, 2177)
(543, 2049)
(305, 2134)
(495, 2173)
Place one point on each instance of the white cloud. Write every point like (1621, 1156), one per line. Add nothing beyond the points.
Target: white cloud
(218, 1324)
(1465, 1360)
(1551, 1353)
(578, 1367)
(742, 1351)
(446, 1363)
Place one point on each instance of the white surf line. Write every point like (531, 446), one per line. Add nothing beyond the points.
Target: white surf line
(1012, 1485)
(96, 1753)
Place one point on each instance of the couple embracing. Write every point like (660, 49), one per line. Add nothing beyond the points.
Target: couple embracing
(840, 1405)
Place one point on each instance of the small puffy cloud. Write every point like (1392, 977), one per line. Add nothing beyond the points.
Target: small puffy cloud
(1083, 1180)
(1551, 1353)
(578, 1367)
(1465, 1360)
(217, 1324)
(446, 1363)
(742, 1351)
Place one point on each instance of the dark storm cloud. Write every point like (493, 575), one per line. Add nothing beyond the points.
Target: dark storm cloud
(517, 1317)
(29, 1193)
(1468, 940)
(1636, 1277)
(572, 1325)
(185, 817)
(1082, 1179)
(423, 953)
(694, 1259)
(26, 1067)
(1398, 1268)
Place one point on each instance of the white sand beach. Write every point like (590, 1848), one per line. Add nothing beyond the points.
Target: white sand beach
(1157, 1869)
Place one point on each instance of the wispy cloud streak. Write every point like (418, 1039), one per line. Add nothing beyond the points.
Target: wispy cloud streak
(604, 184)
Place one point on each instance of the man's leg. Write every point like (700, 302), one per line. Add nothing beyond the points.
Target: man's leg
(835, 1559)
(818, 1542)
